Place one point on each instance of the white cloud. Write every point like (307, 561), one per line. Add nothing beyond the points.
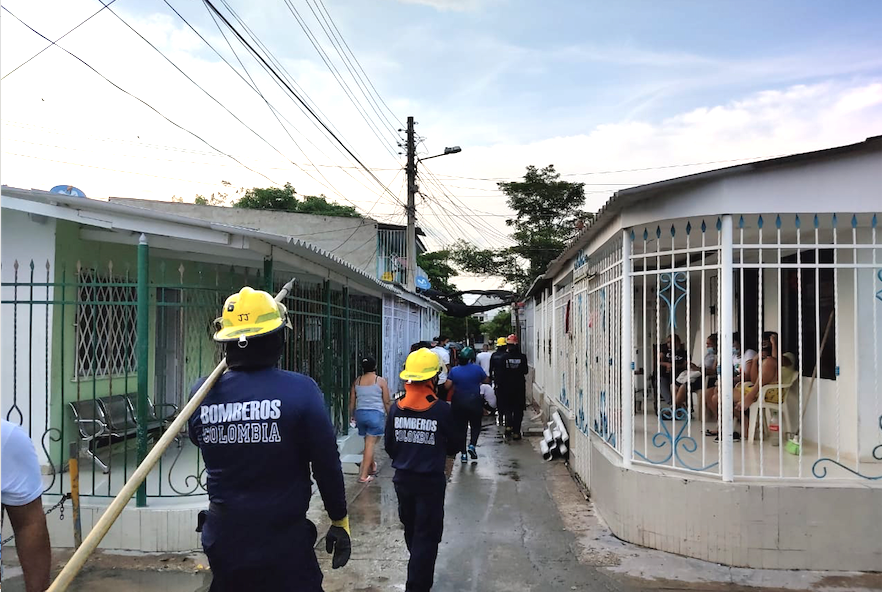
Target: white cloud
(764, 124)
(861, 98)
(74, 118)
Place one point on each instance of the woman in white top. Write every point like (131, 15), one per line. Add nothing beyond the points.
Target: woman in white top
(368, 404)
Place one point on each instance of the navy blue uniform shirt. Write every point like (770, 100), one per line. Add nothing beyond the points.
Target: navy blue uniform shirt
(496, 363)
(513, 370)
(258, 431)
(418, 441)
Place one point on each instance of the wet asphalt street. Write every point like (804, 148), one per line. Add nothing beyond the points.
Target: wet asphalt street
(502, 529)
(512, 523)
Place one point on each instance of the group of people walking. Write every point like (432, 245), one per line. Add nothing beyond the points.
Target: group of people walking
(265, 435)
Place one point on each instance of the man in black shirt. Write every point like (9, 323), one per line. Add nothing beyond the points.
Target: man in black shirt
(511, 379)
(672, 360)
(495, 367)
(420, 435)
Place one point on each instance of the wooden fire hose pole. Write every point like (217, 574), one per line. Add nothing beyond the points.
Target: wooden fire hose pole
(76, 562)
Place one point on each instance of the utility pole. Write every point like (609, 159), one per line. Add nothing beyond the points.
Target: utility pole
(412, 189)
(411, 208)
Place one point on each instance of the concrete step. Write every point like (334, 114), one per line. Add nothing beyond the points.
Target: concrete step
(351, 463)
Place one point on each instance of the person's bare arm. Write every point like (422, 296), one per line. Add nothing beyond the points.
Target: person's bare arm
(32, 543)
(384, 387)
(768, 375)
(448, 385)
(661, 360)
(352, 400)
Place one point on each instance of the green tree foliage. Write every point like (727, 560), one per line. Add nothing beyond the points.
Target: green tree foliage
(285, 199)
(437, 266)
(546, 212)
(498, 326)
(455, 328)
(216, 199)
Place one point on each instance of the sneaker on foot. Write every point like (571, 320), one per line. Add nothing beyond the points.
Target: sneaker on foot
(472, 452)
(464, 458)
(516, 436)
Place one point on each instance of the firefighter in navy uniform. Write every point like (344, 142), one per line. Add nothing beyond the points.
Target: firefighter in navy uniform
(259, 430)
(495, 367)
(511, 378)
(420, 434)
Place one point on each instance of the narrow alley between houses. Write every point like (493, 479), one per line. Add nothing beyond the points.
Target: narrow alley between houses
(503, 529)
(513, 522)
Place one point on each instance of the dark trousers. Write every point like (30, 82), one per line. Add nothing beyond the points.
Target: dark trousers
(501, 404)
(248, 552)
(466, 418)
(421, 510)
(514, 410)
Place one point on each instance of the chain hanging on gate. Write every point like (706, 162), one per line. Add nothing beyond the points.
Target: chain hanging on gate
(60, 504)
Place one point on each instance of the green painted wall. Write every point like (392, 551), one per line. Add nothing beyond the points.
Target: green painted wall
(197, 292)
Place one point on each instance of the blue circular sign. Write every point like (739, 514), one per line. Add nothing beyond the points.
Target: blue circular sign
(67, 190)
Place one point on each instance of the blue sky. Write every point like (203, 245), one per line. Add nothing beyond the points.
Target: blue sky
(587, 86)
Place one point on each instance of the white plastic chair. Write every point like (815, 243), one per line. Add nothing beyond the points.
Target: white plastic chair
(788, 376)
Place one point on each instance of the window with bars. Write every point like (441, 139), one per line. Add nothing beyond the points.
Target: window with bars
(818, 318)
(106, 327)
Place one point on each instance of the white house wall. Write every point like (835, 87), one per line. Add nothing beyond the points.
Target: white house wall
(26, 238)
(404, 324)
(854, 180)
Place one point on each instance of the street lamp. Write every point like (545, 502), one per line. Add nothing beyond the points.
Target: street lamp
(448, 150)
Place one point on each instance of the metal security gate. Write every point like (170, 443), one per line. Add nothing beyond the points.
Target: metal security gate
(76, 342)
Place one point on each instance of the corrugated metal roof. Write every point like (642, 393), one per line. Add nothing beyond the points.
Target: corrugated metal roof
(626, 197)
(292, 244)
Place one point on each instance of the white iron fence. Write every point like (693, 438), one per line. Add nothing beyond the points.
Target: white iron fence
(763, 328)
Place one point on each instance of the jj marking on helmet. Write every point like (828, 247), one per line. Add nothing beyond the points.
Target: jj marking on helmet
(250, 313)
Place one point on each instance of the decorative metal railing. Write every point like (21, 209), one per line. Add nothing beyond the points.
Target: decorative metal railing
(74, 341)
(764, 328)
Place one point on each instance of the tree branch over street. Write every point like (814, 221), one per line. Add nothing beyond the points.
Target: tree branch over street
(547, 212)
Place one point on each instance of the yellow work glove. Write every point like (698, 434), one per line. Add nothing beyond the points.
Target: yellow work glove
(338, 542)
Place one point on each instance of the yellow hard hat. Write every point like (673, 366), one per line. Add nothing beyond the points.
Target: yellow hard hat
(421, 365)
(250, 313)
(500, 341)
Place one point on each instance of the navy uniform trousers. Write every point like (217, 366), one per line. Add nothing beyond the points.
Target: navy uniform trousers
(516, 401)
(421, 510)
(249, 551)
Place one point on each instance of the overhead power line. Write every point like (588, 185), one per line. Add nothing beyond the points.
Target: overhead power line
(272, 110)
(276, 113)
(335, 38)
(280, 67)
(224, 107)
(87, 19)
(254, 52)
(460, 205)
(611, 172)
(347, 90)
(91, 166)
(396, 121)
(82, 136)
(142, 101)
